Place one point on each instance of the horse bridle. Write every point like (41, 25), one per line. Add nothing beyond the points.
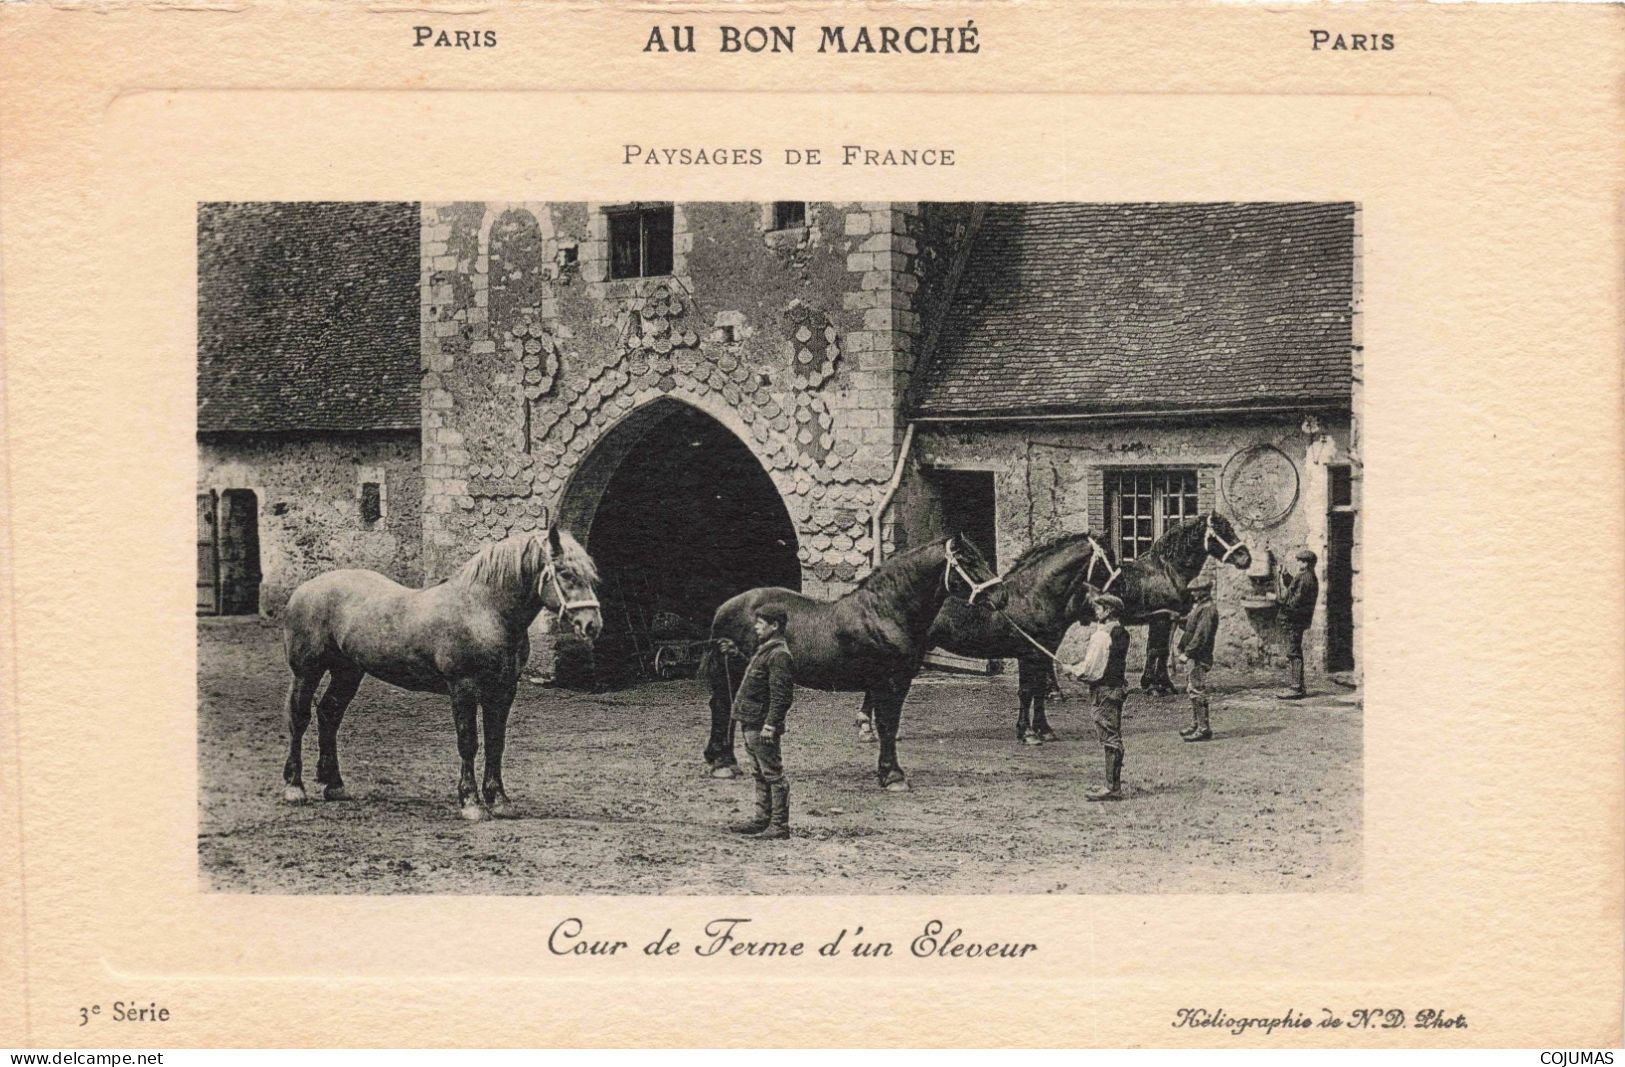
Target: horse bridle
(566, 605)
(955, 567)
(1104, 560)
(1213, 535)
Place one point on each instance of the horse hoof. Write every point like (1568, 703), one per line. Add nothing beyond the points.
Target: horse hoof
(335, 792)
(501, 808)
(473, 812)
(866, 733)
(729, 771)
(294, 794)
(899, 786)
(1033, 740)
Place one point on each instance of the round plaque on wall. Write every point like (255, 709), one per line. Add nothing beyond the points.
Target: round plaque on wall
(1260, 485)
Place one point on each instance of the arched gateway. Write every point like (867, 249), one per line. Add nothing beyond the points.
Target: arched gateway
(679, 515)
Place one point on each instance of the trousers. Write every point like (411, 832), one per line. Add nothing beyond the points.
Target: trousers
(767, 761)
(1109, 715)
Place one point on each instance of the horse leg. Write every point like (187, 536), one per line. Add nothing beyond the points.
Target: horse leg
(465, 703)
(1041, 679)
(341, 687)
(1025, 701)
(719, 750)
(496, 704)
(301, 691)
(1031, 689)
(1156, 639)
(865, 722)
(888, 713)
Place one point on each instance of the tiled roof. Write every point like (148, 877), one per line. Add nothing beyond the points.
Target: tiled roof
(1101, 308)
(308, 317)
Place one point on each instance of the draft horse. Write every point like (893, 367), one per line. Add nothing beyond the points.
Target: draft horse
(465, 637)
(1152, 586)
(871, 640)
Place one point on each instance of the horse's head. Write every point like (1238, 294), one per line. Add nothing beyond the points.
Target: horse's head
(1219, 540)
(564, 576)
(966, 573)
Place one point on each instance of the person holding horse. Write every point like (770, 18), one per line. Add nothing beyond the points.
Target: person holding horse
(1103, 667)
(1196, 651)
(1297, 612)
(765, 693)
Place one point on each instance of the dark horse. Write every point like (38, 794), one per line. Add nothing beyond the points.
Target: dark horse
(1046, 590)
(870, 640)
(1152, 586)
(464, 637)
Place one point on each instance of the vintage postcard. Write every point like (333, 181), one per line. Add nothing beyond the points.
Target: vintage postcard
(878, 503)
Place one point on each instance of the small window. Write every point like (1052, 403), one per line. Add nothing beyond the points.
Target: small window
(1340, 485)
(1145, 504)
(789, 214)
(372, 503)
(640, 242)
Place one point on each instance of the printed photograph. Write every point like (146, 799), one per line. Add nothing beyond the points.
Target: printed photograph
(789, 548)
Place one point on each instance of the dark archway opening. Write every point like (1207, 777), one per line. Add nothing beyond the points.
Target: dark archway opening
(687, 519)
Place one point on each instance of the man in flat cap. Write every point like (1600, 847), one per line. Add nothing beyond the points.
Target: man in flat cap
(1196, 651)
(765, 693)
(1103, 667)
(1297, 612)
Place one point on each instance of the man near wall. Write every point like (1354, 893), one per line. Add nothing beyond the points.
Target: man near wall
(1297, 612)
(1196, 650)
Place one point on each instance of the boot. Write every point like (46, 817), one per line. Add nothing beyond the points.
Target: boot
(778, 827)
(1202, 731)
(1295, 689)
(763, 815)
(1113, 789)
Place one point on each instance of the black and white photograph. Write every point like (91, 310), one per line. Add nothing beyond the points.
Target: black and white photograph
(779, 548)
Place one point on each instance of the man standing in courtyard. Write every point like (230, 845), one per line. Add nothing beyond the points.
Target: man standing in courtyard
(765, 693)
(1297, 612)
(1196, 652)
(1103, 666)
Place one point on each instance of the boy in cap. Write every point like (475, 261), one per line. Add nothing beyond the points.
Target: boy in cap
(1297, 612)
(1103, 666)
(1196, 650)
(765, 693)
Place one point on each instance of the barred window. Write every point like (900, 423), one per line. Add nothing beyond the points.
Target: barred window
(1145, 504)
(640, 242)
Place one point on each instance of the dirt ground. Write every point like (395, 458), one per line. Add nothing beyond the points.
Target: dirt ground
(613, 798)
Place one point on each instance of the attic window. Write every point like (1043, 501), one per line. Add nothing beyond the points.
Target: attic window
(372, 503)
(789, 214)
(640, 241)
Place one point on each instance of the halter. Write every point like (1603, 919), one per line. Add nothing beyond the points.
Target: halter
(1212, 535)
(1104, 560)
(955, 567)
(566, 605)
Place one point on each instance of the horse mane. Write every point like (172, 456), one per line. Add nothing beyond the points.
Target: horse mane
(1175, 536)
(886, 579)
(1038, 553)
(502, 564)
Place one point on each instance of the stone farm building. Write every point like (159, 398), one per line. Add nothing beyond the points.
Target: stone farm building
(717, 396)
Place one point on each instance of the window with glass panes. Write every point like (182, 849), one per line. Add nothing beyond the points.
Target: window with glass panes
(1145, 504)
(640, 242)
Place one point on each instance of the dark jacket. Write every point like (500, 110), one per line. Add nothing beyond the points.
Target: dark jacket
(1201, 627)
(767, 688)
(1298, 602)
(1117, 660)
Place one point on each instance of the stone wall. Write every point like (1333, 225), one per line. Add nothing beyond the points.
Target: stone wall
(1050, 481)
(308, 488)
(798, 340)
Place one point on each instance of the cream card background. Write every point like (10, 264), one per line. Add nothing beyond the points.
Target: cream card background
(1484, 151)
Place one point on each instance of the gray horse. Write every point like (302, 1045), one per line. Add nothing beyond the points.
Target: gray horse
(465, 637)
